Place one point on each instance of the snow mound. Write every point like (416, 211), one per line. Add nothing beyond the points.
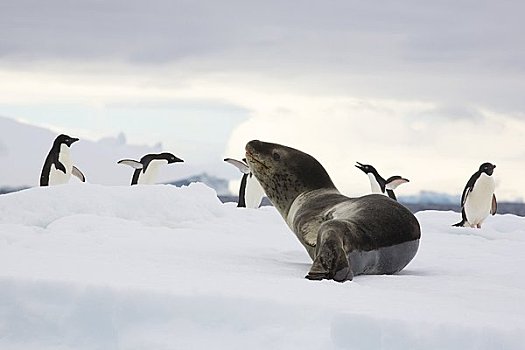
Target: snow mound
(99, 267)
(155, 205)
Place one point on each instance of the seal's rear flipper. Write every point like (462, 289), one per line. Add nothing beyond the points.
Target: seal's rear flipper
(132, 163)
(76, 172)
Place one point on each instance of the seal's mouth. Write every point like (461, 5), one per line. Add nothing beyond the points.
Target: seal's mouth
(252, 158)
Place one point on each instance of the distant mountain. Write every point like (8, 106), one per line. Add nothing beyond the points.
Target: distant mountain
(4, 190)
(430, 197)
(219, 185)
(24, 147)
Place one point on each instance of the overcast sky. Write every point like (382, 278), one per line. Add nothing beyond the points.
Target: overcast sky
(427, 90)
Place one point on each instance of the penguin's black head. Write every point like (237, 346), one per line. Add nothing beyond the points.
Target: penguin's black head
(487, 168)
(65, 139)
(170, 158)
(367, 169)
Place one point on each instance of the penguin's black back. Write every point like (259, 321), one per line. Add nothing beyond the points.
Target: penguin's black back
(242, 192)
(469, 186)
(52, 158)
(135, 178)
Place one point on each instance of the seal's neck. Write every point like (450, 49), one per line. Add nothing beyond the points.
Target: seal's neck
(290, 212)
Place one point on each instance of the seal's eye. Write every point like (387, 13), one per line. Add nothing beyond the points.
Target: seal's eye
(276, 156)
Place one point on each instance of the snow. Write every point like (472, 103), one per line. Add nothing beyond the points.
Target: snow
(158, 267)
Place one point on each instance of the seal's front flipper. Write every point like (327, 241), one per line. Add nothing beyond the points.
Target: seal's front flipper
(331, 261)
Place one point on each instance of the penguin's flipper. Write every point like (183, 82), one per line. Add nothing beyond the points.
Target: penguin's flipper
(60, 166)
(76, 172)
(394, 181)
(132, 163)
(464, 197)
(494, 207)
(243, 167)
(391, 194)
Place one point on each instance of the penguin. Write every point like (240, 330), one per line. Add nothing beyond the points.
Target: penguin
(251, 192)
(478, 199)
(379, 184)
(147, 168)
(58, 166)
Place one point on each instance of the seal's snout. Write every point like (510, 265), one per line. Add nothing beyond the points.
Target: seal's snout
(253, 145)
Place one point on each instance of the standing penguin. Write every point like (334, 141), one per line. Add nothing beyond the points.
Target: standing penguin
(251, 192)
(58, 166)
(147, 168)
(478, 199)
(379, 184)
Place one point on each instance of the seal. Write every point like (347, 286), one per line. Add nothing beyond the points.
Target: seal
(344, 236)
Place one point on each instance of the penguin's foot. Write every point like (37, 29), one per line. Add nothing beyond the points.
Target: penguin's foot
(460, 224)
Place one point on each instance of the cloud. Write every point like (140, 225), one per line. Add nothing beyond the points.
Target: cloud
(427, 90)
(436, 154)
(448, 52)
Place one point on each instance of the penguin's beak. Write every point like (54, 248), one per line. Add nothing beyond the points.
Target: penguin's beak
(360, 166)
(175, 160)
(72, 140)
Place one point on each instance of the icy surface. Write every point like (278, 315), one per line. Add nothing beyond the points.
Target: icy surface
(158, 267)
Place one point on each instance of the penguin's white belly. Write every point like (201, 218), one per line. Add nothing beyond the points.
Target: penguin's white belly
(149, 177)
(58, 177)
(374, 185)
(254, 193)
(479, 200)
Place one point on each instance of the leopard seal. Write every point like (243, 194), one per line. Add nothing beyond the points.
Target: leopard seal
(344, 236)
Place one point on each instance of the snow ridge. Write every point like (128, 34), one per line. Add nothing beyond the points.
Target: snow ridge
(116, 267)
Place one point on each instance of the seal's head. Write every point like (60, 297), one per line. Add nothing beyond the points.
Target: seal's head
(285, 172)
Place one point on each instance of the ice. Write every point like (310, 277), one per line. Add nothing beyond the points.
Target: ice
(117, 267)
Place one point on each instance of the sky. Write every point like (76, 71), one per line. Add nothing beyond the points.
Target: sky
(427, 90)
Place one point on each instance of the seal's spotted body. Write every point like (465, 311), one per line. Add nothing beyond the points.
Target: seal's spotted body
(343, 236)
